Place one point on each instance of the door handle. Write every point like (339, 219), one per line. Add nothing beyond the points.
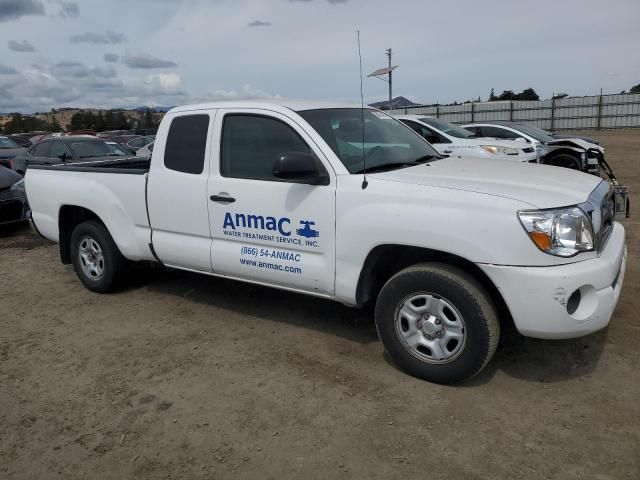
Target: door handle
(448, 150)
(221, 198)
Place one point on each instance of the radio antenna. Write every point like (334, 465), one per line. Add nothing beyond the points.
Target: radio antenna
(364, 156)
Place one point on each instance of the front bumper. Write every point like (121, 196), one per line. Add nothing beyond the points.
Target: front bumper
(537, 296)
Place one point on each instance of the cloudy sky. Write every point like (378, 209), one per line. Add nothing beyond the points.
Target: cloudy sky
(57, 53)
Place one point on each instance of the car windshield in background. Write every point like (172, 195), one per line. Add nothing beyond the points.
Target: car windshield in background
(8, 143)
(388, 144)
(88, 149)
(534, 132)
(116, 150)
(448, 128)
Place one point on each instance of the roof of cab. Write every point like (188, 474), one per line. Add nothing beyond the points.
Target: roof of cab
(271, 104)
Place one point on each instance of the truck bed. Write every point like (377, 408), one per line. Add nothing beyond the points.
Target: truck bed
(113, 190)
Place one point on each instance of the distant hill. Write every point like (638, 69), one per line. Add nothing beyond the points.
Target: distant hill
(153, 109)
(398, 102)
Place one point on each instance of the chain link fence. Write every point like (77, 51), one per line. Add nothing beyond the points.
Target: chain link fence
(571, 113)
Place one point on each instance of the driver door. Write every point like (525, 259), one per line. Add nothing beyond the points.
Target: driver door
(266, 229)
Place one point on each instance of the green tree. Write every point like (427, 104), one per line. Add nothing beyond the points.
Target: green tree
(54, 126)
(108, 120)
(506, 95)
(635, 89)
(527, 94)
(147, 121)
(492, 96)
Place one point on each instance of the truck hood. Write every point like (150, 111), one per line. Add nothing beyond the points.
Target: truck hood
(541, 186)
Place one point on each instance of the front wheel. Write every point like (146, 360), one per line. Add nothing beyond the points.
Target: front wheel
(437, 323)
(565, 160)
(96, 259)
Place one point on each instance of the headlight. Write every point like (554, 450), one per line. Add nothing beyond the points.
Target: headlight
(563, 233)
(18, 186)
(496, 150)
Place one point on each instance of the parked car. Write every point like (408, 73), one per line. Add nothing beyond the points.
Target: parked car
(9, 150)
(21, 140)
(14, 208)
(64, 149)
(140, 142)
(450, 139)
(446, 248)
(123, 139)
(146, 151)
(118, 150)
(574, 153)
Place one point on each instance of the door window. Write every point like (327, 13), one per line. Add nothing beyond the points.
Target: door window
(58, 149)
(40, 150)
(251, 144)
(186, 144)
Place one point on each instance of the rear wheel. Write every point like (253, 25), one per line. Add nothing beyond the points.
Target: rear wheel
(96, 259)
(437, 323)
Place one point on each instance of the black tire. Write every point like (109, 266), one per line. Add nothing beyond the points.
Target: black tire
(114, 265)
(474, 309)
(565, 160)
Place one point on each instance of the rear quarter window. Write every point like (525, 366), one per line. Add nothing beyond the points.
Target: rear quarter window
(186, 144)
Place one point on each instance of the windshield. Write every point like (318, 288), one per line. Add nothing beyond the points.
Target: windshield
(388, 143)
(7, 143)
(448, 128)
(534, 132)
(117, 150)
(89, 149)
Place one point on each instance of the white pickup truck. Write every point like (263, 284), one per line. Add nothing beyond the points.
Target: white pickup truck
(275, 194)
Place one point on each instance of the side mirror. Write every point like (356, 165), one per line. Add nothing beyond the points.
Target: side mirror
(63, 157)
(522, 140)
(299, 167)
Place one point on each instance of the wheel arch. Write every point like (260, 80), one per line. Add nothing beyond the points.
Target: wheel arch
(69, 217)
(384, 261)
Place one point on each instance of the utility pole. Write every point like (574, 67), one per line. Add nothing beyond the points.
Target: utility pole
(390, 80)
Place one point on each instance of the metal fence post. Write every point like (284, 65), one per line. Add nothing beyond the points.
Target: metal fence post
(437, 111)
(599, 111)
(553, 111)
(473, 112)
(511, 110)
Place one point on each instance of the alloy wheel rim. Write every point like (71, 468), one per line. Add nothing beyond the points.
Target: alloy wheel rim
(91, 258)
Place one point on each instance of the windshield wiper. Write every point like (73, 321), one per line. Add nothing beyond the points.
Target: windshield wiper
(393, 166)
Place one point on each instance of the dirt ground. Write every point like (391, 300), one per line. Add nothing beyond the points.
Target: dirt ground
(188, 377)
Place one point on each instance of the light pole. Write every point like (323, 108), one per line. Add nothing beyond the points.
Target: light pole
(381, 72)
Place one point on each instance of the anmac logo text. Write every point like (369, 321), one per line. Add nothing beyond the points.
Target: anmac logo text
(258, 222)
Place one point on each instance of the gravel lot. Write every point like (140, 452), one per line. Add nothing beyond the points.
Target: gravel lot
(184, 376)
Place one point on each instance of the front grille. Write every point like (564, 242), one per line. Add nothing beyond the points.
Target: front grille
(11, 211)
